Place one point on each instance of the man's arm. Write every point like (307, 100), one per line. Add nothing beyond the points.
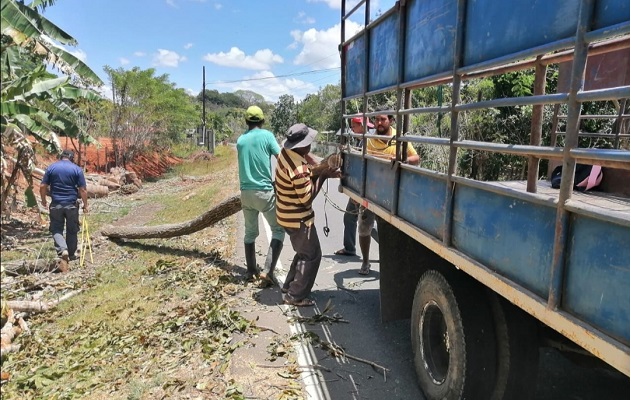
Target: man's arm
(414, 160)
(83, 192)
(43, 191)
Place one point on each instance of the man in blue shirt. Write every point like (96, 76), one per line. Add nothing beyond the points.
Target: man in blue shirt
(64, 182)
(255, 148)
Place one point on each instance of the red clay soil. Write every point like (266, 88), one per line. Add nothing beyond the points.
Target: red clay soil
(100, 159)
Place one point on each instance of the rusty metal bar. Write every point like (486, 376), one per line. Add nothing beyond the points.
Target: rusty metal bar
(569, 164)
(455, 99)
(536, 127)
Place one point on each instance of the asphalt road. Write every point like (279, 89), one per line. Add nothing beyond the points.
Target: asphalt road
(362, 335)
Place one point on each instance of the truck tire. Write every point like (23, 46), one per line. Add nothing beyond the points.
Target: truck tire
(517, 351)
(453, 339)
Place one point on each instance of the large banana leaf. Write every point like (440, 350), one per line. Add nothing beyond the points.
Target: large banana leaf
(76, 66)
(30, 23)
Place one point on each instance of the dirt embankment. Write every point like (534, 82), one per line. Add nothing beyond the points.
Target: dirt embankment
(100, 159)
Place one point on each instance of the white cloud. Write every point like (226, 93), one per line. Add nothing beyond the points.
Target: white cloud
(303, 18)
(218, 6)
(171, 3)
(334, 4)
(140, 53)
(80, 54)
(167, 58)
(319, 48)
(188, 46)
(123, 61)
(261, 60)
(269, 86)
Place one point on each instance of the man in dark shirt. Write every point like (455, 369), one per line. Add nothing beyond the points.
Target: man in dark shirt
(64, 182)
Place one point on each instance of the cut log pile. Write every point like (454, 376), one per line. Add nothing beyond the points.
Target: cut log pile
(98, 186)
(118, 179)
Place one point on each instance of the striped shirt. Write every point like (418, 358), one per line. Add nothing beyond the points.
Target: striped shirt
(295, 190)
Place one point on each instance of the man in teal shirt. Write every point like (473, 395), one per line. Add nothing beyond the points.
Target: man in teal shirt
(255, 148)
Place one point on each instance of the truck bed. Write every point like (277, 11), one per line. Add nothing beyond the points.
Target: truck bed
(613, 204)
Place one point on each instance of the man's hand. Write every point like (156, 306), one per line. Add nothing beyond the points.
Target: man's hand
(332, 173)
(85, 209)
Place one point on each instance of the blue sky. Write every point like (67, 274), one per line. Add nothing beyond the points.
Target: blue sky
(291, 44)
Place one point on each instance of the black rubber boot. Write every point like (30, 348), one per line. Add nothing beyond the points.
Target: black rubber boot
(250, 261)
(273, 253)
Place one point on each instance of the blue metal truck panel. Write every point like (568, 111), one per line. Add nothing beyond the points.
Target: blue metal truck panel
(509, 235)
(597, 278)
(378, 175)
(355, 66)
(431, 28)
(497, 28)
(422, 201)
(610, 12)
(383, 70)
(353, 171)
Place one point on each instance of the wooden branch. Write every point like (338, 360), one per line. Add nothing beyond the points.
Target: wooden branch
(25, 267)
(39, 306)
(12, 348)
(210, 217)
(337, 351)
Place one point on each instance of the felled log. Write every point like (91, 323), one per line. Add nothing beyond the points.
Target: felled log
(8, 332)
(25, 267)
(97, 191)
(38, 306)
(210, 217)
(111, 185)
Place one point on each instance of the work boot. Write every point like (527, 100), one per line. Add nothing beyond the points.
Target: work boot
(250, 262)
(63, 261)
(275, 247)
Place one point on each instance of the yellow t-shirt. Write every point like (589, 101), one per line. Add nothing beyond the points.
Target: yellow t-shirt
(387, 147)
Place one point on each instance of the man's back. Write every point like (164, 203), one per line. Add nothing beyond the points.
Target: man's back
(64, 178)
(255, 148)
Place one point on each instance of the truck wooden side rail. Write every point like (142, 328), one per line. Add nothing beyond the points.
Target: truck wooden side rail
(490, 271)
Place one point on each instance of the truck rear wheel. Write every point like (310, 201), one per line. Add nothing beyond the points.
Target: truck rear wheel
(453, 338)
(517, 351)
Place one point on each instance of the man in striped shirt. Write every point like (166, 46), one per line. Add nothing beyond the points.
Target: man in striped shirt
(296, 187)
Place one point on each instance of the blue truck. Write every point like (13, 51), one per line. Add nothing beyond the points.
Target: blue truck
(490, 271)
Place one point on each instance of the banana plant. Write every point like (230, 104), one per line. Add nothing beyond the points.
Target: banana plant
(33, 101)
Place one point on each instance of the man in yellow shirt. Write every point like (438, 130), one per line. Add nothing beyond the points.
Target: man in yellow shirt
(383, 148)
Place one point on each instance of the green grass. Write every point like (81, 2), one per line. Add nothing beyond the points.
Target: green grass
(117, 338)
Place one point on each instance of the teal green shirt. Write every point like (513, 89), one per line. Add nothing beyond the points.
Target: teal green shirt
(255, 149)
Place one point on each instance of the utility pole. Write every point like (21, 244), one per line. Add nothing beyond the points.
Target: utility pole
(204, 136)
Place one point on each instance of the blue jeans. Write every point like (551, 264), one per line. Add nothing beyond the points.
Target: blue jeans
(67, 215)
(254, 202)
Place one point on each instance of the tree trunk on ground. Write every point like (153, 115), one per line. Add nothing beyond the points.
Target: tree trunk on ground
(210, 217)
(97, 191)
(25, 267)
(38, 305)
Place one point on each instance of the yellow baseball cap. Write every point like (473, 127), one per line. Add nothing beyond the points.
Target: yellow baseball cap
(254, 114)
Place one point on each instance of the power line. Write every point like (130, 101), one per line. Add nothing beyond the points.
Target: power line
(274, 77)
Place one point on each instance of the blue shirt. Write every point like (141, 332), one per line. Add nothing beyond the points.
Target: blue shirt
(255, 148)
(64, 179)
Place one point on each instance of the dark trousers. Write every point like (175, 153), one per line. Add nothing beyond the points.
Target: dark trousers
(350, 226)
(304, 267)
(68, 216)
